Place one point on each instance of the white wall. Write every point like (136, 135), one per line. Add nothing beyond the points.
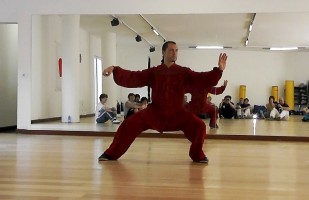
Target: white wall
(8, 74)
(298, 67)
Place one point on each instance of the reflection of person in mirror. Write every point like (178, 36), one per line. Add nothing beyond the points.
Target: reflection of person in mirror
(281, 111)
(200, 104)
(166, 111)
(105, 113)
(306, 113)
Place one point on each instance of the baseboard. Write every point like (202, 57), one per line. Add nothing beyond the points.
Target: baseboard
(8, 129)
(57, 119)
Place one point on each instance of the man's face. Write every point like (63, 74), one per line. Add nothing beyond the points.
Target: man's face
(227, 100)
(132, 98)
(170, 54)
(281, 101)
(104, 100)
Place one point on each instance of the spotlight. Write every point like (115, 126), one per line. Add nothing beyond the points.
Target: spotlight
(115, 22)
(152, 49)
(138, 38)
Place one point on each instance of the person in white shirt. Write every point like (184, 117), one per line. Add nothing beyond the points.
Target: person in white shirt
(281, 111)
(105, 113)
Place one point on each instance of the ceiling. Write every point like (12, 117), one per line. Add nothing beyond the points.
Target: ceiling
(228, 30)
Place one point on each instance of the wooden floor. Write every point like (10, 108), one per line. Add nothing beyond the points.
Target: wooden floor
(52, 167)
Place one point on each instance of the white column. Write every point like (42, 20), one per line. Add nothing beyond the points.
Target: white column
(24, 74)
(70, 68)
(108, 46)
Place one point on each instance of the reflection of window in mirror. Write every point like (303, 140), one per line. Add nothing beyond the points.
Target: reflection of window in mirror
(98, 80)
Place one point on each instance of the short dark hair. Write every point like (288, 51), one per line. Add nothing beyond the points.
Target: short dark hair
(271, 97)
(102, 96)
(131, 94)
(228, 96)
(144, 99)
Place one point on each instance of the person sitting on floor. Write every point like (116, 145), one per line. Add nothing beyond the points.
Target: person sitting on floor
(244, 110)
(281, 111)
(269, 107)
(238, 107)
(227, 108)
(143, 103)
(105, 113)
(137, 98)
(306, 117)
(131, 107)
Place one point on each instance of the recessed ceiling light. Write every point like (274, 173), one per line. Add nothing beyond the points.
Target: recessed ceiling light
(283, 48)
(209, 47)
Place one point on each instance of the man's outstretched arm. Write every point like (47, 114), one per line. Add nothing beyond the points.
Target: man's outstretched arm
(127, 78)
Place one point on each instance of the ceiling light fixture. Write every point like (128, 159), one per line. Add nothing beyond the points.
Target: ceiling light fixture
(250, 29)
(115, 22)
(283, 48)
(155, 30)
(209, 47)
(138, 38)
(152, 49)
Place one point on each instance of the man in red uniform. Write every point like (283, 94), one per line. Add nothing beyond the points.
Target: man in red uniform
(166, 112)
(199, 104)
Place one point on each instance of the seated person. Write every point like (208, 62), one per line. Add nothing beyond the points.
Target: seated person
(238, 107)
(244, 109)
(306, 117)
(137, 98)
(130, 107)
(227, 108)
(259, 111)
(281, 111)
(105, 113)
(143, 103)
(269, 107)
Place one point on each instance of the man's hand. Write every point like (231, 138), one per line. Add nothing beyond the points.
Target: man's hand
(108, 70)
(222, 61)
